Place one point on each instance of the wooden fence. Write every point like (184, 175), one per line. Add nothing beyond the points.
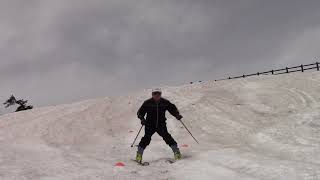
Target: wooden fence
(286, 70)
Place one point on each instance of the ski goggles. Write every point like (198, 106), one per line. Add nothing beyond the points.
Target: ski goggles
(156, 93)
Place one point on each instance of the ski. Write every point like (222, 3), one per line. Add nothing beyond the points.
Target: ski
(142, 163)
(170, 161)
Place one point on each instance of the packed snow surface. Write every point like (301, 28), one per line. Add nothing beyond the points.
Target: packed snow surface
(265, 127)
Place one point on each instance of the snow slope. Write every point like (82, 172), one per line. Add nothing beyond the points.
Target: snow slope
(266, 128)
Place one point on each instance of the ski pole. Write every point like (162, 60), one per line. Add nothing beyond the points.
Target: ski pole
(137, 136)
(189, 131)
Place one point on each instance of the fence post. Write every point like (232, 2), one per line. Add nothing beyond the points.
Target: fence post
(302, 70)
(317, 66)
(272, 71)
(287, 69)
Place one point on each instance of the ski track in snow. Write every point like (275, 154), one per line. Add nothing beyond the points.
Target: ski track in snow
(265, 128)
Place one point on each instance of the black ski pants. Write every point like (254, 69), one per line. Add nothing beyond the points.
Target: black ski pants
(161, 130)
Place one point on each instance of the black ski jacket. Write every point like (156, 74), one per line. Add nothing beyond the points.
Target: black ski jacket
(156, 111)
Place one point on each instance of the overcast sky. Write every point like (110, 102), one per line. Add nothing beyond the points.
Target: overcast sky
(60, 51)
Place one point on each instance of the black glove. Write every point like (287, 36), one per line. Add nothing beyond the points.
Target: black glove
(143, 121)
(179, 117)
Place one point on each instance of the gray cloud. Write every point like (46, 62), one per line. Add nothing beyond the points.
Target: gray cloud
(61, 51)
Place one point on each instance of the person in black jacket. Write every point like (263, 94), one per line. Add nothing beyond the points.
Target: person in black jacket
(155, 121)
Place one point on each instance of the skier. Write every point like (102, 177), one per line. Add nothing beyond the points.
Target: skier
(155, 109)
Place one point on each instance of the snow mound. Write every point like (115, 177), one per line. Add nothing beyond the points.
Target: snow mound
(264, 127)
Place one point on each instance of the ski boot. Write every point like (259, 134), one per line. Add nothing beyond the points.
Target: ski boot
(177, 155)
(139, 154)
(176, 151)
(139, 158)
